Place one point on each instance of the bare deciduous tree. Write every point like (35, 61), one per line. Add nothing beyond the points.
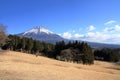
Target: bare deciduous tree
(3, 35)
(2, 28)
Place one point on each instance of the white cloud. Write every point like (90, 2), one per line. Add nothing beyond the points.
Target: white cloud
(114, 38)
(105, 36)
(91, 28)
(100, 37)
(77, 36)
(97, 37)
(117, 27)
(110, 22)
(66, 35)
(112, 29)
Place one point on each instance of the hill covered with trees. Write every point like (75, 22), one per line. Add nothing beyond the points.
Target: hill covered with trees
(80, 52)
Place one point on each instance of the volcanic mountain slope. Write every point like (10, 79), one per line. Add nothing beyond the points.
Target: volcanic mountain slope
(21, 66)
(42, 34)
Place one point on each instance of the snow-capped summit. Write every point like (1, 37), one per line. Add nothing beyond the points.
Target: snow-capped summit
(41, 33)
(38, 30)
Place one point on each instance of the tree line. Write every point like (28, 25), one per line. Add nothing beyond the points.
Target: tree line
(27, 45)
(79, 52)
(110, 55)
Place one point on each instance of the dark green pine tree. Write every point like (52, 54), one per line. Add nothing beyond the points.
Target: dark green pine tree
(88, 56)
(30, 42)
(28, 45)
(23, 44)
(36, 46)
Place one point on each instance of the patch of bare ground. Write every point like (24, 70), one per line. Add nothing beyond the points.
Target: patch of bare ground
(21, 66)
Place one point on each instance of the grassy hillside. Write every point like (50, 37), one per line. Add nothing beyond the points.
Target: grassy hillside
(21, 66)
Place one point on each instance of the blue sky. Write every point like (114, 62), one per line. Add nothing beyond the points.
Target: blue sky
(89, 20)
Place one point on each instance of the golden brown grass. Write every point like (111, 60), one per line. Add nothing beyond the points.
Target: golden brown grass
(21, 66)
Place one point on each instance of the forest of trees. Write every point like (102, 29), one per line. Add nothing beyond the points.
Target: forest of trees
(28, 45)
(111, 55)
(79, 52)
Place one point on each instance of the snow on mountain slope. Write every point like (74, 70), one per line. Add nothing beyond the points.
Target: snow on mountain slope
(38, 29)
(42, 34)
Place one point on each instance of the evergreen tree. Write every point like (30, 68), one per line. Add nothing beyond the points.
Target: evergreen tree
(23, 43)
(36, 46)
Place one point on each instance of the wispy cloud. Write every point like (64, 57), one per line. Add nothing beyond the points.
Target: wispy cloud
(91, 28)
(112, 29)
(110, 22)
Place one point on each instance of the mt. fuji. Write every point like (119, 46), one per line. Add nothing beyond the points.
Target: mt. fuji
(42, 34)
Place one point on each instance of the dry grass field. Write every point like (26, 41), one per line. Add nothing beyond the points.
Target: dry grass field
(21, 66)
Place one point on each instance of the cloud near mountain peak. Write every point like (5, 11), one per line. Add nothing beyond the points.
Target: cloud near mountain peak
(92, 35)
